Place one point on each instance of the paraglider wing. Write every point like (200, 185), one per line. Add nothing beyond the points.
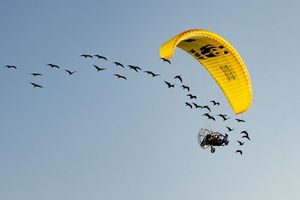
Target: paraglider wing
(220, 59)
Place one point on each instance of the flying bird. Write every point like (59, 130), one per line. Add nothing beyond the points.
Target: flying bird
(36, 74)
(192, 96)
(169, 84)
(178, 77)
(100, 57)
(36, 85)
(215, 103)
(120, 76)
(241, 143)
(135, 68)
(188, 104)
(239, 151)
(239, 120)
(166, 60)
(53, 66)
(99, 68)
(223, 117)
(151, 73)
(11, 67)
(209, 116)
(119, 64)
(70, 72)
(185, 87)
(246, 136)
(229, 129)
(197, 106)
(245, 132)
(86, 56)
(207, 107)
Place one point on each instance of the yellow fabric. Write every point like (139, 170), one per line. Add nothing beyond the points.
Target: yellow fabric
(220, 59)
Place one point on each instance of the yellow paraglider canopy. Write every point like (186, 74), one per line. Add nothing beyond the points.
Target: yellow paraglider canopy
(220, 59)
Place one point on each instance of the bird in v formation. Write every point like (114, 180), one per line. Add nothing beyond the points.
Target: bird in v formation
(119, 64)
(192, 96)
(209, 116)
(99, 68)
(36, 74)
(169, 84)
(166, 60)
(120, 76)
(239, 151)
(224, 117)
(100, 57)
(137, 69)
(86, 56)
(53, 66)
(188, 104)
(179, 78)
(70, 72)
(10, 67)
(185, 87)
(151, 73)
(197, 106)
(35, 85)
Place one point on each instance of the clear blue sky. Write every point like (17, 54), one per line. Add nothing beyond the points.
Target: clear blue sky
(91, 136)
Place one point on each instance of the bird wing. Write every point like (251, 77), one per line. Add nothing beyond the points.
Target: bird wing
(207, 108)
(166, 60)
(246, 136)
(239, 151)
(36, 85)
(245, 132)
(97, 67)
(188, 104)
(148, 72)
(152, 73)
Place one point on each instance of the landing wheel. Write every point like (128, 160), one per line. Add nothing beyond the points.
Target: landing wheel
(212, 150)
